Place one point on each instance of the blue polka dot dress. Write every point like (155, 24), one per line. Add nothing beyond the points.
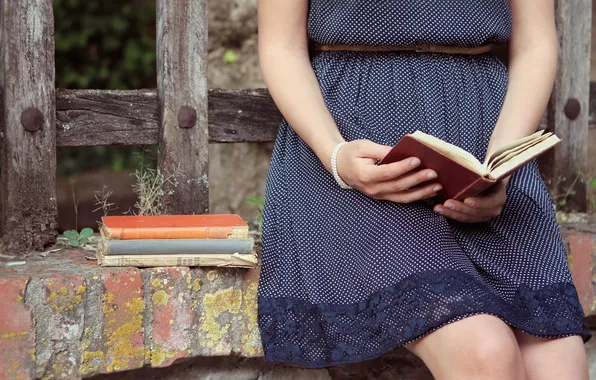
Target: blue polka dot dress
(347, 278)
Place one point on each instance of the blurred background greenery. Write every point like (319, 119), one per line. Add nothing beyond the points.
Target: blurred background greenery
(104, 45)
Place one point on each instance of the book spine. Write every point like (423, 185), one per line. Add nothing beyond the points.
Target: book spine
(240, 232)
(233, 260)
(474, 189)
(178, 246)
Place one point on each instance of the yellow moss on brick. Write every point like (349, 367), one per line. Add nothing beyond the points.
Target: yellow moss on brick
(212, 275)
(14, 335)
(196, 285)
(251, 339)
(159, 355)
(62, 301)
(106, 301)
(156, 282)
(90, 362)
(119, 343)
(226, 300)
(160, 298)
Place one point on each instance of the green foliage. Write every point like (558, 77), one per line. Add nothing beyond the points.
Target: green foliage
(260, 202)
(103, 45)
(230, 56)
(77, 239)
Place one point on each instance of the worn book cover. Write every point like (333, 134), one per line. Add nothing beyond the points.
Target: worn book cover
(207, 226)
(178, 246)
(225, 260)
(460, 173)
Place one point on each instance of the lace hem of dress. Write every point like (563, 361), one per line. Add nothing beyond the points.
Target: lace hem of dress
(320, 335)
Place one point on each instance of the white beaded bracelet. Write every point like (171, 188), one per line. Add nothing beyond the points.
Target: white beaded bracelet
(338, 179)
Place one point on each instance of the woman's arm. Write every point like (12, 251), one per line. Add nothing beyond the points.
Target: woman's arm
(286, 67)
(532, 67)
(283, 55)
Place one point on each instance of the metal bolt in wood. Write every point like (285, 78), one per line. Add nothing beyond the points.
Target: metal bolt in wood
(187, 117)
(32, 119)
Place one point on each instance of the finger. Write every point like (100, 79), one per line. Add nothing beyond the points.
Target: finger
(369, 149)
(495, 198)
(412, 195)
(451, 214)
(406, 182)
(383, 173)
(473, 211)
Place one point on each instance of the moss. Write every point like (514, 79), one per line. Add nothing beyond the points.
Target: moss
(159, 356)
(160, 298)
(226, 300)
(156, 282)
(90, 362)
(196, 285)
(14, 335)
(63, 301)
(251, 339)
(212, 275)
(119, 342)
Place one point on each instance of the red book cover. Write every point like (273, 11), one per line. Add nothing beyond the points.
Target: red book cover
(207, 226)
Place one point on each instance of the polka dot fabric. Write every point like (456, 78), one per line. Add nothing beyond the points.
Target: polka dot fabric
(347, 278)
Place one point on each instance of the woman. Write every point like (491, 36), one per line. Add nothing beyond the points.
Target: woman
(358, 258)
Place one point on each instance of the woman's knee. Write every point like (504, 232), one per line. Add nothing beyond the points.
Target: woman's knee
(477, 347)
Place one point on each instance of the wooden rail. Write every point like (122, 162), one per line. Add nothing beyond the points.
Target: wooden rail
(97, 117)
(182, 116)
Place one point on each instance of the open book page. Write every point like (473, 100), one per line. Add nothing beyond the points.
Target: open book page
(456, 153)
(513, 144)
(507, 155)
(524, 156)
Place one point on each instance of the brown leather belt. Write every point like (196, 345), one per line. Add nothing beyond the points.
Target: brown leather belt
(423, 48)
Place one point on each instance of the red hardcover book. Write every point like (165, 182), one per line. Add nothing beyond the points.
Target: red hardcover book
(460, 173)
(207, 226)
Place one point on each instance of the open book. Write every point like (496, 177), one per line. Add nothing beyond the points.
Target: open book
(460, 173)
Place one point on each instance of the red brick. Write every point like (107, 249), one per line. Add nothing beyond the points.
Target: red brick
(123, 308)
(581, 249)
(171, 305)
(17, 339)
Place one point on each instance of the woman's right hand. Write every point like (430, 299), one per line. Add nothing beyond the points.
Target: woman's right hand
(397, 182)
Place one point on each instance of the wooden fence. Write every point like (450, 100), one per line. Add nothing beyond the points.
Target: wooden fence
(183, 116)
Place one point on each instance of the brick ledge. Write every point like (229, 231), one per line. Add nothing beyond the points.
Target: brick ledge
(64, 316)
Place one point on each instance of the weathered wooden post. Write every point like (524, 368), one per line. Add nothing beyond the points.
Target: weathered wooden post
(28, 171)
(182, 91)
(568, 111)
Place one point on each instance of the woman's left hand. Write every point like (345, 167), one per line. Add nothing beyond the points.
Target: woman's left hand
(477, 209)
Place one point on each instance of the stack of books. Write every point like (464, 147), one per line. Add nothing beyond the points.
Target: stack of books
(176, 240)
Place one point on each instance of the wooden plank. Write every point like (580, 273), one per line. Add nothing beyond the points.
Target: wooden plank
(28, 185)
(242, 116)
(568, 110)
(98, 117)
(182, 90)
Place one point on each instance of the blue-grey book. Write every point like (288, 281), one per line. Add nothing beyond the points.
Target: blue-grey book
(178, 246)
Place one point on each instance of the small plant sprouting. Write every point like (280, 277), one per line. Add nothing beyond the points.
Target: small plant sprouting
(77, 239)
(260, 202)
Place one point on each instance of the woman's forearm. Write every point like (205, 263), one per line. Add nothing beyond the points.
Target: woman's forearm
(531, 76)
(295, 90)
